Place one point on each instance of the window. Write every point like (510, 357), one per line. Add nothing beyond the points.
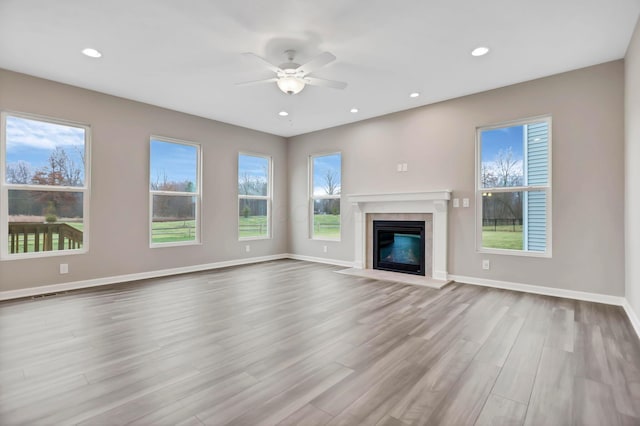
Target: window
(174, 188)
(326, 182)
(513, 198)
(45, 186)
(254, 196)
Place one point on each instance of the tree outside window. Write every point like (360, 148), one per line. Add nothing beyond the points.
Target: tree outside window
(514, 187)
(254, 196)
(174, 188)
(45, 186)
(326, 186)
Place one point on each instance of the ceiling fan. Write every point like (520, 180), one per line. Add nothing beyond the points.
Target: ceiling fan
(291, 77)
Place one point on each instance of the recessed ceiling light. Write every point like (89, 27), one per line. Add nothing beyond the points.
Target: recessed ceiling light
(414, 95)
(92, 53)
(480, 51)
(354, 110)
(283, 113)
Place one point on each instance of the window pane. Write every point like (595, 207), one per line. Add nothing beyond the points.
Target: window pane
(174, 219)
(173, 167)
(253, 175)
(45, 221)
(503, 154)
(253, 218)
(326, 218)
(515, 220)
(502, 220)
(327, 177)
(501, 157)
(42, 153)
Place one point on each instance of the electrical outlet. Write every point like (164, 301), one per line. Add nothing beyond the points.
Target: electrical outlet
(465, 202)
(325, 249)
(486, 265)
(64, 268)
(456, 203)
(247, 248)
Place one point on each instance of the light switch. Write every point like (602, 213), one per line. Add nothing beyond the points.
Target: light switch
(404, 167)
(399, 167)
(465, 202)
(456, 203)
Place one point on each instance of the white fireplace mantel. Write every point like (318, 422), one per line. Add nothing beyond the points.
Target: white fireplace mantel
(434, 202)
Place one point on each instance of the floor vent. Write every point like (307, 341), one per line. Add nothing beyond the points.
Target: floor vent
(42, 296)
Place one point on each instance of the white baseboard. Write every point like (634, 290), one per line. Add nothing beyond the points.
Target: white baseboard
(546, 291)
(633, 317)
(526, 288)
(346, 264)
(57, 288)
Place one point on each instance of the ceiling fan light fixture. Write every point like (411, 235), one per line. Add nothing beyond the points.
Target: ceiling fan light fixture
(291, 85)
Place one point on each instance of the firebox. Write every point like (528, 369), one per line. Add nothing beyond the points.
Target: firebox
(398, 246)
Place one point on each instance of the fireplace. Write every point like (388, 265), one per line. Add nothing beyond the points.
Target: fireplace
(430, 207)
(398, 246)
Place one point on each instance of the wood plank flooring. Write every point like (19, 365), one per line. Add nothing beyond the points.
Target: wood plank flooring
(294, 343)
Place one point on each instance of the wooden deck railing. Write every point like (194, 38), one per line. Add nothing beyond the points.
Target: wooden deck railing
(25, 237)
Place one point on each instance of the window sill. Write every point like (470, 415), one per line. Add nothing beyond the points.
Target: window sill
(253, 238)
(177, 244)
(546, 254)
(43, 254)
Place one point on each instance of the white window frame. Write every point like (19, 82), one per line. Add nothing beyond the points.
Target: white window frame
(267, 197)
(313, 198)
(547, 189)
(197, 194)
(5, 187)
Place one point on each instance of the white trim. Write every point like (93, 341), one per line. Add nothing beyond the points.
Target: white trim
(546, 291)
(197, 195)
(633, 318)
(268, 198)
(327, 261)
(547, 189)
(434, 202)
(313, 197)
(443, 195)
(96, 282)
(85, 189)
(525, 288)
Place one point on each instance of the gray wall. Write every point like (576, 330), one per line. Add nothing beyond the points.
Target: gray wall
(438, 143)
(120, 174)
(632, 171)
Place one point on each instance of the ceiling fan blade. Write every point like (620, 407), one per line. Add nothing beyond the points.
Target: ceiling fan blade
(319, 61)
(264, 62)
(251, 83)
(313, 81)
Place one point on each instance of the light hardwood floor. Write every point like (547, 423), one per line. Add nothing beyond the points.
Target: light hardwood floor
(294, 343)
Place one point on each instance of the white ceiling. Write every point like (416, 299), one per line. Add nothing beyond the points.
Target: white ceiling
(186, 55)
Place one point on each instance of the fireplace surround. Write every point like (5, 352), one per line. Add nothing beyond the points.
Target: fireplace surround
(403, 206)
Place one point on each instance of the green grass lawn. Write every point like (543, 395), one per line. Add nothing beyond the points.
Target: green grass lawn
(503, 238)
(253, 226)
(173, 231)
(326, 226)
